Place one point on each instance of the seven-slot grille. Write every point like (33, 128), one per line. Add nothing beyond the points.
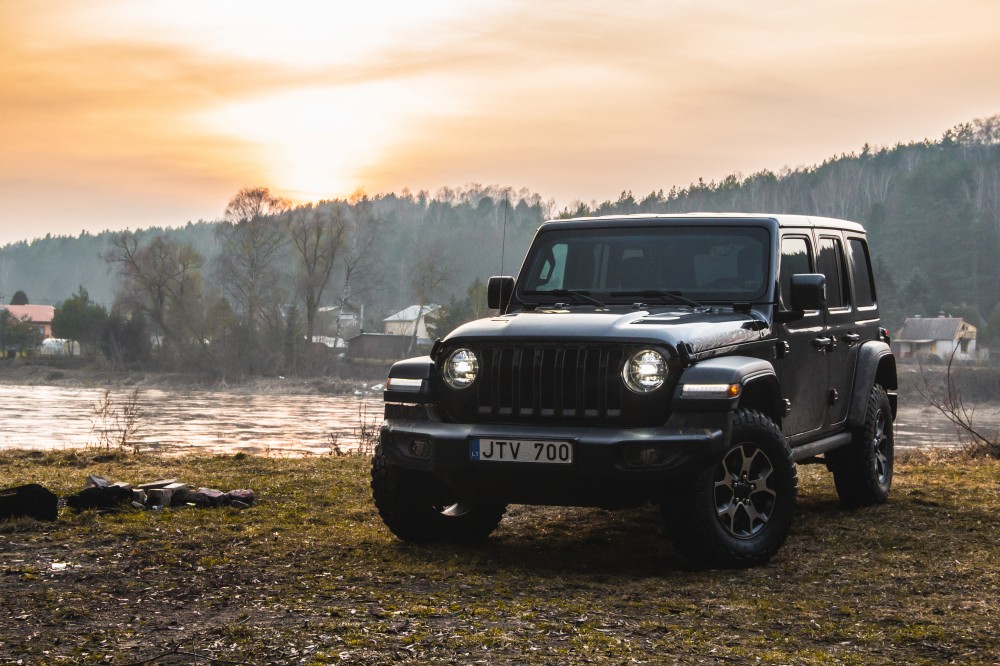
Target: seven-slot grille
(557, 382)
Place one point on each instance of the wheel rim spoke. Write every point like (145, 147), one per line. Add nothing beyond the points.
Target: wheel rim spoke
(754, 515)
(767, 492)
(880, 447)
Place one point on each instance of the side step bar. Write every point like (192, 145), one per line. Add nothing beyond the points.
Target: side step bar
(806, 451)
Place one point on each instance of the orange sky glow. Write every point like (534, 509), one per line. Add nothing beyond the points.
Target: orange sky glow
(119, 114)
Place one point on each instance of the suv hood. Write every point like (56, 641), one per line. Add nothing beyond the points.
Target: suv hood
(703, 330)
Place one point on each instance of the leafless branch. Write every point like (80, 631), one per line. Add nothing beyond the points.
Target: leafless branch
(949, 402)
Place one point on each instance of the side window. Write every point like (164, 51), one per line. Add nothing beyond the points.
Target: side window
(795, 259)
(831, 264)
(861, 273)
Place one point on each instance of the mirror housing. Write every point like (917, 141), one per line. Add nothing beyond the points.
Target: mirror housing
(808, 292)
(499, 290)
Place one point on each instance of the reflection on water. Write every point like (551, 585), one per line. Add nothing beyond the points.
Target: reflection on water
(46, 417)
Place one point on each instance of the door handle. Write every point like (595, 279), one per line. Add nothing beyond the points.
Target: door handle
(822, 343)
(851, 338)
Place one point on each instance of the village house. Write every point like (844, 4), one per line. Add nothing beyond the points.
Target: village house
(404, 322)
(40, 316)
(377, 347)
(939, 336)
(396, 339)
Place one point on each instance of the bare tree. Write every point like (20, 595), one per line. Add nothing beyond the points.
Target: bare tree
(361, 235)
(318, 235)
(255, 203)
(249, 265)
(428, 276)
(162, 280)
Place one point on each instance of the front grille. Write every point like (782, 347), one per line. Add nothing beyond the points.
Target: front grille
(554, 384)
(551, 382)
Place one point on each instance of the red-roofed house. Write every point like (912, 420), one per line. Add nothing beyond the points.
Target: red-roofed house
(39, 315)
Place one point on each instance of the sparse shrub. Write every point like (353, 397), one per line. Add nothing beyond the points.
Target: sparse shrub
(117, 422)
(948, 400)
(366, 432)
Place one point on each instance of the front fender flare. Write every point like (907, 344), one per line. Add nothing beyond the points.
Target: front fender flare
(742, 370)
(416, 381)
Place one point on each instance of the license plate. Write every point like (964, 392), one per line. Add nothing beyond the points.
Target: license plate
(521, 451)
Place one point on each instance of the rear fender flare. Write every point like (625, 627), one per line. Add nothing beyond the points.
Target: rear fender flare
(876, 365)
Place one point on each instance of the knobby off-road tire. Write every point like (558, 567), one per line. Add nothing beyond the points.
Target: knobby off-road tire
(862, 470)
(416, 507)
(738, 511)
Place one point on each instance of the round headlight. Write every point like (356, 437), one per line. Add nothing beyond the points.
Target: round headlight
(645, 371)
(461, 368)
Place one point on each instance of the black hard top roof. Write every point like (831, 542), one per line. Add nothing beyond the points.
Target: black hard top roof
(652, 219)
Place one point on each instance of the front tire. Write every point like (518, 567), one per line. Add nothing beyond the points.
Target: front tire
(738, 511)
(862, 470)
(417, 507)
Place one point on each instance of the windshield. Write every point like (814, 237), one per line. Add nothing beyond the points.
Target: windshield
(705, 264)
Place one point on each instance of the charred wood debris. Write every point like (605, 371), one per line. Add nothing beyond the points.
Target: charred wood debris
(104, 496)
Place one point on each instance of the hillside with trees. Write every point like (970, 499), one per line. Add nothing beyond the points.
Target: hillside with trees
(238, 294)
(931, 209)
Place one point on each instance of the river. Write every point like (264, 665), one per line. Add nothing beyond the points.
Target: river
(181, 421)
(174, 421)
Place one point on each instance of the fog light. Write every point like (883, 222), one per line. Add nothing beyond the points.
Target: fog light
(420, 448)
(649, 455)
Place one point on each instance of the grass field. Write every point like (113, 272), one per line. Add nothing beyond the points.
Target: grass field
(309, 575)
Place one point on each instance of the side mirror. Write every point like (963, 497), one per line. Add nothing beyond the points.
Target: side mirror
(808, 292)
(499, 289)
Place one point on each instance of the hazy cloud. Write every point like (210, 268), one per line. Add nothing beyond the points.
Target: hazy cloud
(120, 113)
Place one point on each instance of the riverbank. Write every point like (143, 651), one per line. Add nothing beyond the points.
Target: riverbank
(309, 575)
(83, 373)
(978, 385)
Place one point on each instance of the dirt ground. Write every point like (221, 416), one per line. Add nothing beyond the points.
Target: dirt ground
(310, 576)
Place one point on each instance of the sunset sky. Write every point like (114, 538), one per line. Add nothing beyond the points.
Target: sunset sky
(121, 114)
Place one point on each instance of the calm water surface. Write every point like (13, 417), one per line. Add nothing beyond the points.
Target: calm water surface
(45, 417)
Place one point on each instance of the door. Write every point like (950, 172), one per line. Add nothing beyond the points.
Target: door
(841, 327)
(804, 367)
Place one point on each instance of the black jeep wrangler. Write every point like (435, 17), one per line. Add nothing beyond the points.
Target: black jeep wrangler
(686, 360)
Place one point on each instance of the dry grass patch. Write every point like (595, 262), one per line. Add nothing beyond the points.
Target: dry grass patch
(309, 575)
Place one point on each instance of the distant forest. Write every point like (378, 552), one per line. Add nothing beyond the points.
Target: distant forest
(932, 211)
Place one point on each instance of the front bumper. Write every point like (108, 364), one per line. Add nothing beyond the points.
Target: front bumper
(605, 470)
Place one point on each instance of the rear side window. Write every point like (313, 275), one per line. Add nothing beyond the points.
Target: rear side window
(795, 260)
(861, 273)
(831, 264)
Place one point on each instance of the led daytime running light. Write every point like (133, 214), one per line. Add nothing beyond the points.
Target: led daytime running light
(711, 390)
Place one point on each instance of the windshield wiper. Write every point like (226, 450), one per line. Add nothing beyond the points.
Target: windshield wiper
(578, 296)
(671, 296)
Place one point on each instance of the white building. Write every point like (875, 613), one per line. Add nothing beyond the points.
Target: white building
(939, 336)
(404, 321)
